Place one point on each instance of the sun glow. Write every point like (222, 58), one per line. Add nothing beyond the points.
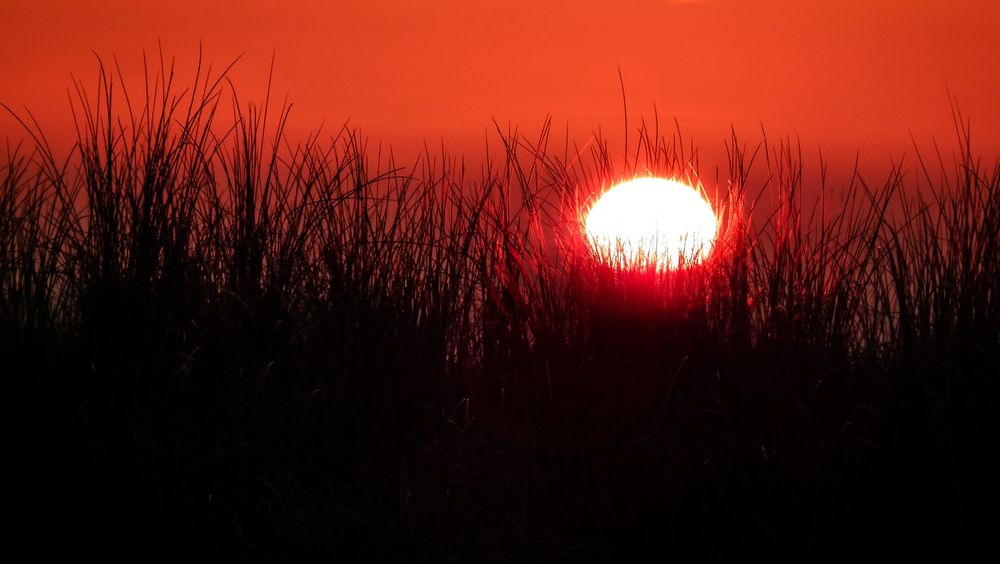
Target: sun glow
(651, 222)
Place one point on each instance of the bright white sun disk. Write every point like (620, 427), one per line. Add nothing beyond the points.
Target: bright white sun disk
(651, 221)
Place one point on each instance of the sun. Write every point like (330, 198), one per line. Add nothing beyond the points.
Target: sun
(651, 221)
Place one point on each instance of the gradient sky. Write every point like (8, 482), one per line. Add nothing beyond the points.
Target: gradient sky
(851, 75)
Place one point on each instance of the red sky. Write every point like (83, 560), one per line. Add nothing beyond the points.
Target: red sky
(849, 75)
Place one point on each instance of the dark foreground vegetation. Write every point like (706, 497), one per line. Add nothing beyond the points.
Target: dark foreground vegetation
(218, 344)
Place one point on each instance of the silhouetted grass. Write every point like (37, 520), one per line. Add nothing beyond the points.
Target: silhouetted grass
(224, 345)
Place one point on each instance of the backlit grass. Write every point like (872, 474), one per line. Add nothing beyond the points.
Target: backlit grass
(223, 343)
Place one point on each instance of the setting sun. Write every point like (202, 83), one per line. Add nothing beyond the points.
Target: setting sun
(651, 222)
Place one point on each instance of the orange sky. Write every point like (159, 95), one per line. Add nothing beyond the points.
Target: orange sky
(850, 75)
